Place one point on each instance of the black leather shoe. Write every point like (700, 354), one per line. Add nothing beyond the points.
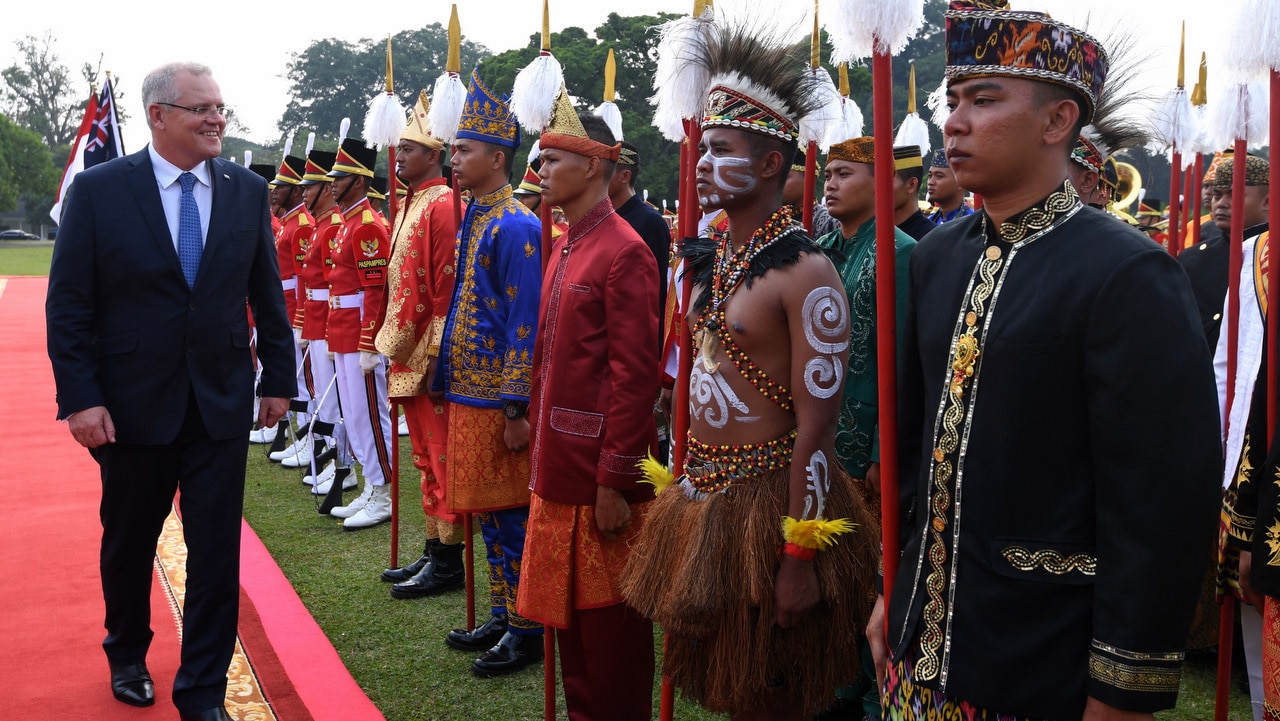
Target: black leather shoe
(480, 638)
(444, 573)
(131, 683)
(212, 714)
(404, 573)
(509, 655)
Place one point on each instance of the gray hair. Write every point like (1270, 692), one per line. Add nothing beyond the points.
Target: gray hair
(159, 86)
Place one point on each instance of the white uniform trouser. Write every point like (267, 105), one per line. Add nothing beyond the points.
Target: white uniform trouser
(304, 395)
(365, 415)
(325, 407)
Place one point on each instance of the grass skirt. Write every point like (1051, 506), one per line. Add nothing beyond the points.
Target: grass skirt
(705, 569)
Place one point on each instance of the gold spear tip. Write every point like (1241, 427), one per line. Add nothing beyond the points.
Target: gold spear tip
(701, 6)
(546, 26)
(815, 44)
(844, 79)
(389, 81)
(911, 89)
(454, 63)
(1182, 57)
(610, 73)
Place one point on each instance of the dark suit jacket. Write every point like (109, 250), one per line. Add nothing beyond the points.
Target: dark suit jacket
(125, 331)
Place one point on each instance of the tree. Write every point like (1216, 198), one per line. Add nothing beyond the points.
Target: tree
(332, 79)
(27, 172)
(39, 92)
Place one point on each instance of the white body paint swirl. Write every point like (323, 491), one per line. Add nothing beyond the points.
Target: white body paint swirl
(728, 175)
(825, 316)
(819, 484)
(713, 401)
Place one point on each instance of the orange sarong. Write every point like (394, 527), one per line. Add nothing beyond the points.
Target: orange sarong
(567, 563)
(483, 475)
(1271, 660)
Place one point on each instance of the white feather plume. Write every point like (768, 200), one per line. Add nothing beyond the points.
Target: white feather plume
(817, 126)
(384, 122)
(860, 27)
(937, 102)
(447, 100)
(535, 151)
(288, 144)
(248, 158)
(612, 117)
(343, 128)
(1267, 19)
(1175, 122)
(311, 143)
(534, 94)
(1242, 113)
(680, 83)
(1252, 39)
(913, 131)
(850, 125)
(1204, 141)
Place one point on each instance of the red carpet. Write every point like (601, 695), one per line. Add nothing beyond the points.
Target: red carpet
(51, 608)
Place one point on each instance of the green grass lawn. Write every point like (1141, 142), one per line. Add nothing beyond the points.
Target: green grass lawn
(26, 260)
(395, 649)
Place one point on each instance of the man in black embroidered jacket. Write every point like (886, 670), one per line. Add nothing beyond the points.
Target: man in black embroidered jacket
(1048, 351)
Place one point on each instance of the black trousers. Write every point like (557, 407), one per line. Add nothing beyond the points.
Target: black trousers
(138, 486)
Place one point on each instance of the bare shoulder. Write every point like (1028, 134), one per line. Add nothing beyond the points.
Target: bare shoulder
(811, 271)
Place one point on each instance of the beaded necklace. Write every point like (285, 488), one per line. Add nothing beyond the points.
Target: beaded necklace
(731, 268)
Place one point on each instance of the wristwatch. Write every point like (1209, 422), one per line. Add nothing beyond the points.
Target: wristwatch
(515, 411)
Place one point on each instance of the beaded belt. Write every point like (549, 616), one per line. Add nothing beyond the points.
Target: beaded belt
(713, 468)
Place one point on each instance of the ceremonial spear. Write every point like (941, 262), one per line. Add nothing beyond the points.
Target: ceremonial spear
(533, 97)
(1176, 126)
(1199, 97)
(882, 28)
(1240, 119)
(448, 98)
(383, 125)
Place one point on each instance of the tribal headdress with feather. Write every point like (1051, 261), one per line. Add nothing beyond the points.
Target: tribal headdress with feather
(1113, 130)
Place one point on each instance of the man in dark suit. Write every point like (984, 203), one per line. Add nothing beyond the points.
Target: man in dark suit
(156, 255)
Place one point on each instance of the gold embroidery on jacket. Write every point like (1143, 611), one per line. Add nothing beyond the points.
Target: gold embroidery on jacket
(1050, 560)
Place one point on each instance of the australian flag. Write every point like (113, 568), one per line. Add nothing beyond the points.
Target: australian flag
(97, 141)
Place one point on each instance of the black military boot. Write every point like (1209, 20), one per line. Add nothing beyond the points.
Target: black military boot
(444, 572)
(404, 573)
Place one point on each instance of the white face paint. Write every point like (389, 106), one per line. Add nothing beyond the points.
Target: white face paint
(825, 316)
(818, 484)
(713, 401)
(730, 174)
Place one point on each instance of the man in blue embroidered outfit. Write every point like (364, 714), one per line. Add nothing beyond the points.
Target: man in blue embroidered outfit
(944, 192)
(758, 562)
(485, 370)
(1045, 346)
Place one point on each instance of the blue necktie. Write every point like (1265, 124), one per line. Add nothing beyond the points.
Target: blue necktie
(190, 245)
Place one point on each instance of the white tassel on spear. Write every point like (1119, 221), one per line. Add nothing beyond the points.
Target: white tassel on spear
(817, 126)
(850, 125)
(860, 27)
(449, 94)
(937, 104)
(608, 110)
(1175, 121)
(385, 120)
(914, 130)
(536, 86)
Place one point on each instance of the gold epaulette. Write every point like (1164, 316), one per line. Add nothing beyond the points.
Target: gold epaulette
(367, 217)
(303, 222)
(335, 218)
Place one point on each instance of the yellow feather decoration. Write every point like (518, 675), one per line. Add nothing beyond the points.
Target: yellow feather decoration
(818, 533)
(655, 473)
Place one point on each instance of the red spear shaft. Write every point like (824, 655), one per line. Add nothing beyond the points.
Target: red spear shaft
(1197, 181)
(810, 175)
(886, 314)
(1227, 619)
(1175, 209)
(468, 560)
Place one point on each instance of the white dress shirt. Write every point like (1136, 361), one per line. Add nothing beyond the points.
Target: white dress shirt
(171, 193)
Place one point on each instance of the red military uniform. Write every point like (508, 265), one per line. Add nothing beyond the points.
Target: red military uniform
(295, 230)
(313, 276)
(419, 288)
(358, 281)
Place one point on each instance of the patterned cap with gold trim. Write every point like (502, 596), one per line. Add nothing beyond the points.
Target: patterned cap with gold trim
(319, 163)
(354, 158)
(939, 159)
(985, 39)
(291, 170)
(857, 150)
(565, 132)
(628, 155)
(530, 184)
(487, 117)
(1218, 157)
(1256, 172)
(906, 157)
(416, 128)
(736, 102)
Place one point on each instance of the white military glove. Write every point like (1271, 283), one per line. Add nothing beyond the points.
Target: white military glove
(297, 338)
(369, 361)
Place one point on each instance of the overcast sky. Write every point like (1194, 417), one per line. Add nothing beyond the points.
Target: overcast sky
(132, 37)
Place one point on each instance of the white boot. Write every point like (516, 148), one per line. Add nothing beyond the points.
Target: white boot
(263, 435)
(289, 450)
(302, 456)
(376, 510)
(325, 474)
(403, 429)
(326, 481)
(350, 510)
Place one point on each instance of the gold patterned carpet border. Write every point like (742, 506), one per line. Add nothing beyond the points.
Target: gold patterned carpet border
(245, 701)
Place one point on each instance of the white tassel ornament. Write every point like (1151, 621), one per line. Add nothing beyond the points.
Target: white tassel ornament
(535, 91)
(612, 116)
(859, 28)
(818, 126)
(679, 85)
(384, 122)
